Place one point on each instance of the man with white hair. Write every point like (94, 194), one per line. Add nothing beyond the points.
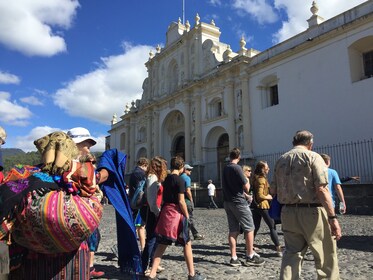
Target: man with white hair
(308, 219)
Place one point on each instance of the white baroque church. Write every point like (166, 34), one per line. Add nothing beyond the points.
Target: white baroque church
(201, 98)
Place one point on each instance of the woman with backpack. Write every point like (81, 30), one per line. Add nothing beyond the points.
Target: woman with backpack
(172, 225)
(156, 174)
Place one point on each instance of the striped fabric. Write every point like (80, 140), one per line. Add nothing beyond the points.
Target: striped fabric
(56, 222)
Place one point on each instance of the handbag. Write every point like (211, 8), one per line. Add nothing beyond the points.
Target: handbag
(275, 209)
(56, 222)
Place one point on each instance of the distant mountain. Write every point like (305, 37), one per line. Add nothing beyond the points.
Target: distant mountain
(8, 152)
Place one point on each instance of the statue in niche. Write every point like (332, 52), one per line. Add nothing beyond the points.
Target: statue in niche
(193, 118)
(182, 77)
(240, 137)
(239, 101)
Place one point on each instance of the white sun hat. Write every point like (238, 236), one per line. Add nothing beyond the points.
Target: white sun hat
(80, 134)
(2, 136)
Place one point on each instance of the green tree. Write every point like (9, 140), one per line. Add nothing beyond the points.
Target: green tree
(30, 158)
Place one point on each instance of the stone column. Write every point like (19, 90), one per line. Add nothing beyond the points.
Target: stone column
(132, 135)
(198, 128)
(229, 108)
(246, 117)
(156, 133)
(187, 120)
(149, 135)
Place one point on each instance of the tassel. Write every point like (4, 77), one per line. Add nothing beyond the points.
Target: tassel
(9, 241)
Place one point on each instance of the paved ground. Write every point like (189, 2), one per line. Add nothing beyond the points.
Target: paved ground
(211, 256)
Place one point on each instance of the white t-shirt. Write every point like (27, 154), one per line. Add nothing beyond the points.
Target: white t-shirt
(211, 189)
(151, 193)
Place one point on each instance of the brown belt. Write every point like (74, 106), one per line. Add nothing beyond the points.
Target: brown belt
(309, 205)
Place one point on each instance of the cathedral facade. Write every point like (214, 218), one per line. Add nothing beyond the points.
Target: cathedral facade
(201, 98)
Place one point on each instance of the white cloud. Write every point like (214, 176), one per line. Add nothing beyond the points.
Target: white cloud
(12, 113)
(26, 142)
(215, 2)
(26, 26)
(243, 33)
(260, 10)
(7, 78)
(32, 100)
(298, 12)
(99, 94)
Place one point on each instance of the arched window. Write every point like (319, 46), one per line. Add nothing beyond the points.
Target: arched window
(216, 108)
(269, 91)
(173, 76)
(122, 144)
(361, 59)
(141, 136)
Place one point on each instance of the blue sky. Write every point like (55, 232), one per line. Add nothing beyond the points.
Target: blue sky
(68, 63)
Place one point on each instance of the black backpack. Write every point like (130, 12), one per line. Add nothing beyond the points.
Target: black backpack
(138, 199)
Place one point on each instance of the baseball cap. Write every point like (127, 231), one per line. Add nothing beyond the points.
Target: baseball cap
(80, 134)
(188, 167)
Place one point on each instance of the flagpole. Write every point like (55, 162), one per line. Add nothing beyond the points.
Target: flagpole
(183, 12)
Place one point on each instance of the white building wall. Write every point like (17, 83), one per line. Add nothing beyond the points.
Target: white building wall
(314, 85)
(315, 93)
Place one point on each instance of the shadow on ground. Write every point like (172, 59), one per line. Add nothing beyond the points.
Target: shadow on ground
(358, 243)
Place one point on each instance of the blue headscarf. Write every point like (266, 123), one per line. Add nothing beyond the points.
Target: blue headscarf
(129, 258)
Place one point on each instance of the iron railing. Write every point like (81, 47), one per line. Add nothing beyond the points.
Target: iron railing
(348, 159)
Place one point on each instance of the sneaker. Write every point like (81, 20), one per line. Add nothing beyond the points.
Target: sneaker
(256, 254)
(147, 272)
(160, 269)
(255, 260)
(279, 251)
(114, 249)
(235, 262)
(197, 276)
(96, 274)
(199, 237)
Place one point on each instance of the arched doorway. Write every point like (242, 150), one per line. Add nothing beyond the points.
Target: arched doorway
(222, 152)
(178, 148)
(173, 136)
(141, 153)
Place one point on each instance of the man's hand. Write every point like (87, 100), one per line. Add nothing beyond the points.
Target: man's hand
(249, 198)
(344, 209)
(335, 229)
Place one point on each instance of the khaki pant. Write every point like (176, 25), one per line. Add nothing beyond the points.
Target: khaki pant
(305, 228)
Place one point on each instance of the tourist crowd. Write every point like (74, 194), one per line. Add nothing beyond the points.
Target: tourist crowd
(50, 213)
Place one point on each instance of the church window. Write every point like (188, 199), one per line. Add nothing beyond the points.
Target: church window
(216, 108)
(269, 91)
(360, 55)
(368, 64)
(123, 141)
